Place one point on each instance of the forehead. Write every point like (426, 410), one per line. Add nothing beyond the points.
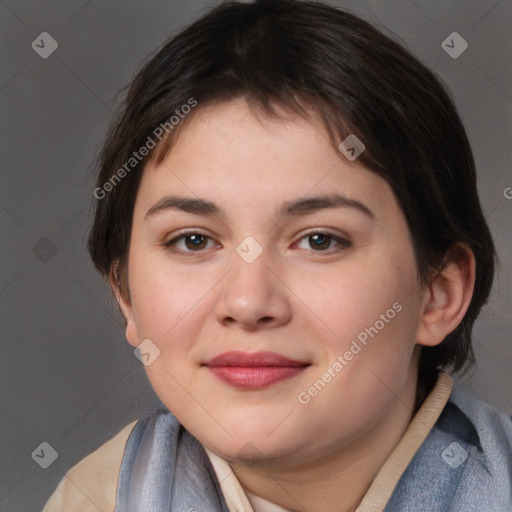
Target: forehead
(241, 157)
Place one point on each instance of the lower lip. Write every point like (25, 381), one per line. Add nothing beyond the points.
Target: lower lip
(255, 377)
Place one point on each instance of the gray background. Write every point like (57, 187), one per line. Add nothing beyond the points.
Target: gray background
(67, 376)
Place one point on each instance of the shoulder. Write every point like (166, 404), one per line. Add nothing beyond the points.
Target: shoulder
(479, 456)
(91, 484)
(492, 428)
(464, 464)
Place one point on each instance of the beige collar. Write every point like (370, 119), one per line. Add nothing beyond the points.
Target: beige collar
(375, 499)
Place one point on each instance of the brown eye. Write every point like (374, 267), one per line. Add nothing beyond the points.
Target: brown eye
(323, 242)
(190, 242)
(194, 242)
(319, 241)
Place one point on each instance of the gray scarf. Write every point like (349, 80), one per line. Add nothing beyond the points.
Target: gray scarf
(165, 469)
(464, 465)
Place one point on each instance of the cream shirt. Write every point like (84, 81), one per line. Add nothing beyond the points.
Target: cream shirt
(91, 485)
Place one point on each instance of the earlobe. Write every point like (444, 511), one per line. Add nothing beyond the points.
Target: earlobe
(126, 309)
(447, 297)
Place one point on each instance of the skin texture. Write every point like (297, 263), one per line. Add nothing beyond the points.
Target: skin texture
(294, 299)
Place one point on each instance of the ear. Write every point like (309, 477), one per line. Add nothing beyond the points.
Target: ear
(125, 307)
(448, 296)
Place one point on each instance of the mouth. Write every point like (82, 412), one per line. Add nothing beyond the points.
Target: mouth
(256, 370)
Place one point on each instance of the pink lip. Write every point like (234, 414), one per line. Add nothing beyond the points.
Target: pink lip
(254, 370)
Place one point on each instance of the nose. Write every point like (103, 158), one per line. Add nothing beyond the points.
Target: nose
(253, 297)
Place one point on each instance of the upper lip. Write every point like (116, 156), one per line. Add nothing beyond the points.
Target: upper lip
(252, 359)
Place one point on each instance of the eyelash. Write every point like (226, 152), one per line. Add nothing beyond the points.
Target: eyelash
(343, 243)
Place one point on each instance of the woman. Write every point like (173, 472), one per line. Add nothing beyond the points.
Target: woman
(287, 214)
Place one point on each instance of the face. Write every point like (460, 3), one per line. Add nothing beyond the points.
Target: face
(256, 235)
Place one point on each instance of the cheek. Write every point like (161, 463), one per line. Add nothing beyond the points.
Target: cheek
(358, 298)
(371, 310)
(168, 303)
(169, 309)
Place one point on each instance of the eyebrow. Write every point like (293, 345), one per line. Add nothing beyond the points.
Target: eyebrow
(295, 207)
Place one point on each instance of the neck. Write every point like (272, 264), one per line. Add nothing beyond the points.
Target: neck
(339, 480)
